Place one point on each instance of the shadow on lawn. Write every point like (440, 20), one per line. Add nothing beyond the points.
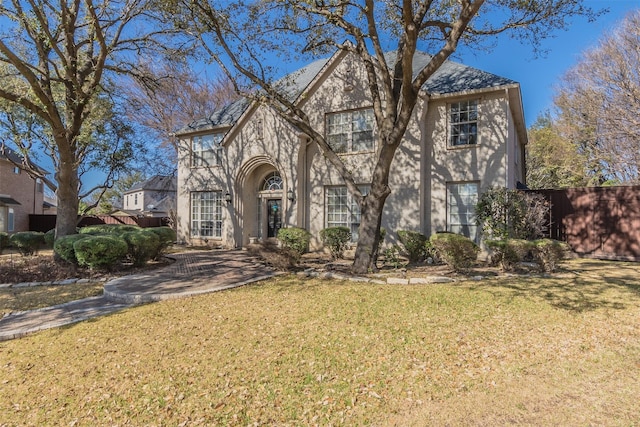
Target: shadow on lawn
(581, 285)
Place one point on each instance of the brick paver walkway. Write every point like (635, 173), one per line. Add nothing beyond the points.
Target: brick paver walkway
(193, 273)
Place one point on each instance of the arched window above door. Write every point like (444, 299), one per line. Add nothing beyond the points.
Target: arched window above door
(272, 182)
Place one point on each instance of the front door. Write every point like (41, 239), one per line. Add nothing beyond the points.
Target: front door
(274, 217)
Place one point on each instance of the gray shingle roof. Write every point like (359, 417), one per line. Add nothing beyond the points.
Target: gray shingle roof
(155, 183)
(451, 77)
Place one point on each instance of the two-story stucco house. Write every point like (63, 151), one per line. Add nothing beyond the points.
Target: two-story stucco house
(244, 172)
(20, 194)
(154, 197)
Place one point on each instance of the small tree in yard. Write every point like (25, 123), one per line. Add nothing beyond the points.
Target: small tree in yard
(229, 32)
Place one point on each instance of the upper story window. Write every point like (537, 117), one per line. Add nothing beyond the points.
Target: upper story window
(464, 123)
(206, 150)
(350, 131)
(16, 170)
(39, 186)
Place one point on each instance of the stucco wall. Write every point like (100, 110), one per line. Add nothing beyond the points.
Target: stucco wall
(421, 169)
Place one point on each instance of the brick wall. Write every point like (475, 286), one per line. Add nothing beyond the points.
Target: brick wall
(23, 189)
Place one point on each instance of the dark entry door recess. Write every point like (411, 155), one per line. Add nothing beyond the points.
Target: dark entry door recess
(274, 217)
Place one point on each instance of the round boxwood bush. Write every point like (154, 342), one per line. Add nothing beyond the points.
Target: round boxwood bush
(63, 247)
(336, 239)
(142, 245)
(4, 240)
(108, 229)
(295, 240)
(50, 237)
(414, 243)
(167, 236)
(100, 252)
(27, 242)
(455, 250)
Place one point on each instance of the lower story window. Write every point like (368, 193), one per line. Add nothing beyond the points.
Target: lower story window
(342, 210)
(206, 214)
(461, 202)
(10, 220)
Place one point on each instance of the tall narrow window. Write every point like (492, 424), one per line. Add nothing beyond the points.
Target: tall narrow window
(206, 150)
(461, 202)
(350, 131)
(464, 123)
(206, 214)
(342, 210)
(39, 185)
(10, 220)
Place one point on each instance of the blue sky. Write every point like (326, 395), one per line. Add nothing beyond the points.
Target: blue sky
(537, 77)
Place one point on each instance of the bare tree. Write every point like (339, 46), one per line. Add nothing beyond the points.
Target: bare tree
(599, 101)
(55, 58)
(172, 99)
(293, 28)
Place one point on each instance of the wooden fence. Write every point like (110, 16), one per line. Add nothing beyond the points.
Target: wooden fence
(45, 223)
(598, 222)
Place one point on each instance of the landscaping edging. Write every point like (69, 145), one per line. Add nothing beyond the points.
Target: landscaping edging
(49, 283)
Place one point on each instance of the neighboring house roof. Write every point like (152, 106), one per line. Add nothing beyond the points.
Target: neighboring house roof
(155, 183)
(165, 204)
(451, 77)
(7, 153)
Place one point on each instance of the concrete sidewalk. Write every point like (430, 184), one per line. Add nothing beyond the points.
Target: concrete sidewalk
(193, 273)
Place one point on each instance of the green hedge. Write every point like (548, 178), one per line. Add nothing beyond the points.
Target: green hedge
(549, 253)
(63, 247)
(509, 252)
(458, 252)
(100, 252)
(167, 237)
(50, 237)
(27, 242)
(99, 229)
(142, 245)
(336, 239)
(414, 243)
(294, 240)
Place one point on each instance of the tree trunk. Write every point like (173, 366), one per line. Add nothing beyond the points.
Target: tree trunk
(369, 233)
(67, 194)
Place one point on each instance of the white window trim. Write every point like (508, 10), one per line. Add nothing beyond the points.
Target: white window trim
(213, 214)
(198, 156)
(350, 132)
(454, 227)
(352, 210)
(450, 124)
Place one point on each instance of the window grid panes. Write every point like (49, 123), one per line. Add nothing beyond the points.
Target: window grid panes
(206, 214)
(206, 150)
(342, 210)
(461, 202)
(464, 123)
(350, 131)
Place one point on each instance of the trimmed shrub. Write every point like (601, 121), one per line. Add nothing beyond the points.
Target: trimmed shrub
(4, 240)
(108, 229)
(336, 239)
(101, 252)
(549, 252)
(391, 257)
(509, 252)
(414, 244)
(458, 252)
(166, 235)
(27, 242)
(294, 239)
(50, 237)
(142, 246)
(63, 247)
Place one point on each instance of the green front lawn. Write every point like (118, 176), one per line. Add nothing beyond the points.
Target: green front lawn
(534, 351)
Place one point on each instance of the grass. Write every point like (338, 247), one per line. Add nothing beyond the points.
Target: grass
(534, 351)
(30, 298)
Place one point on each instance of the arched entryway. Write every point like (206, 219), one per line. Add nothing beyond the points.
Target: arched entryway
(264, 205)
